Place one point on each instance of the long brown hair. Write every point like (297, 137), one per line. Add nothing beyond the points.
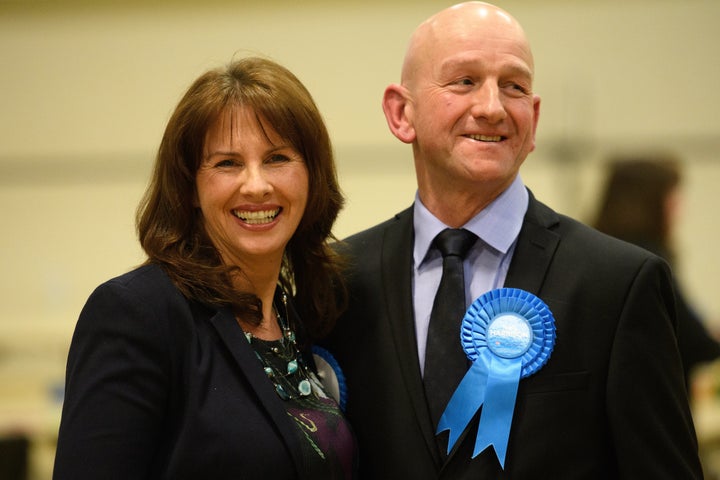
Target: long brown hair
(633, 206)
(170, 227)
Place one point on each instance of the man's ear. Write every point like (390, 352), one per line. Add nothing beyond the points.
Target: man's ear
(396, 107)
(536, 110)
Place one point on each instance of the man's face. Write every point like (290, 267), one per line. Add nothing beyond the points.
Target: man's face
(471, 105)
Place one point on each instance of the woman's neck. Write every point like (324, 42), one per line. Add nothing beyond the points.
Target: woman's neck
(263, 286)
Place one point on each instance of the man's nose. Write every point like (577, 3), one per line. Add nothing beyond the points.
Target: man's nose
(487, 103)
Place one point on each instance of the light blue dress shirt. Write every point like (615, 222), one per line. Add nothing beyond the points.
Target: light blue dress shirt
(486, 265)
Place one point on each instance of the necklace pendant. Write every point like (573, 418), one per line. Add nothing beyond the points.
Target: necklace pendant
(281, 391)
(304, 388)
(292, 366)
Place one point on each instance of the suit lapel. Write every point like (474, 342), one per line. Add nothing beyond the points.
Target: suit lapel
(397, 266)
(534, 250)
(533, 253)
(241, 351)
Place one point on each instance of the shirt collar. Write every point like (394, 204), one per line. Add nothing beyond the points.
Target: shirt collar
(497, 225)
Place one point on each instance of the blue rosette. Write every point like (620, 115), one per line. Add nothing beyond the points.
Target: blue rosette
(331, 375)
(507, 334)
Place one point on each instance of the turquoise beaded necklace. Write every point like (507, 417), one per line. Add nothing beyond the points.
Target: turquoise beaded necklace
(281, 359)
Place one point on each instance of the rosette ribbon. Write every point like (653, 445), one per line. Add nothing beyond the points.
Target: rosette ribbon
(507, 334)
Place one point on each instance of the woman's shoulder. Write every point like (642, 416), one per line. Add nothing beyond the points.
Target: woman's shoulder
(147, 284)
(140, 303)
(148, 273)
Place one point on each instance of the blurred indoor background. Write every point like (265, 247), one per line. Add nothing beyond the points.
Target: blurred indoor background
(86, 88)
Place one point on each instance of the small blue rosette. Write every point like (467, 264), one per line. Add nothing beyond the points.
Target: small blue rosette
(507, 334)
(330, 375)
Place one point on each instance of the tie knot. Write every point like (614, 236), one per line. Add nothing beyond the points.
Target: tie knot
(454, 241)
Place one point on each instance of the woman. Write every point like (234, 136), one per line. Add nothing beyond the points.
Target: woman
(640, 205)
(196, 364)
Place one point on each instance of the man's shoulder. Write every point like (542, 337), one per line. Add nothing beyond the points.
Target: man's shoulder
(399, 223)
(577, 235)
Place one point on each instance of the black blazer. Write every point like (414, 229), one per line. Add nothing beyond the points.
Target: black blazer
(609, 404)
(159, 387)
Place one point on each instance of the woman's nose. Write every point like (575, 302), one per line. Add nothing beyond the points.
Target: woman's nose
(255, 182)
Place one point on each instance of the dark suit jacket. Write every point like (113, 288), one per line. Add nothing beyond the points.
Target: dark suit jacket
(610, 403)
(162, 388)
(697, 346)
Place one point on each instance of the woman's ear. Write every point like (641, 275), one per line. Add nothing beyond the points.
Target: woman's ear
(398, 113)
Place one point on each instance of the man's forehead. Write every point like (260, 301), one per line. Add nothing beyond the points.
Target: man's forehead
(466, 27)
(505, 64)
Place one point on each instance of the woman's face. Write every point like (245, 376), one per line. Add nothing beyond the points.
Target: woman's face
(252, 189)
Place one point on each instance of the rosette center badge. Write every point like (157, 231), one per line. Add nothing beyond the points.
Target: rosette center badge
(507, 334)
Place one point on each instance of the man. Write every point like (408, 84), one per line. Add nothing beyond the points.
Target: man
(610, 401)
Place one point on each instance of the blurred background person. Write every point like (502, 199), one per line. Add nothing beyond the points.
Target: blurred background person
(640, 204)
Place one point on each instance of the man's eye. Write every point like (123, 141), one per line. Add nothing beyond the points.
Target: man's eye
(461, 84)
(517, 87)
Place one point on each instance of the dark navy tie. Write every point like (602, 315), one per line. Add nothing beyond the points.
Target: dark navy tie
(445, 361)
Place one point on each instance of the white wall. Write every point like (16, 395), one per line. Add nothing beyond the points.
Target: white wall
(86, 89)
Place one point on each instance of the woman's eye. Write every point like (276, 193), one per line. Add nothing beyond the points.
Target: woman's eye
(225, 163)
(277, 158)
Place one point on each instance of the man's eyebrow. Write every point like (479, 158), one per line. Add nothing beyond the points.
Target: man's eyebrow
(511, 68)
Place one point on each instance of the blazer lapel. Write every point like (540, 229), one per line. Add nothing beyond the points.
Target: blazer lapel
(533, 253)
(234, 338)
(397, 265)
(535, 248)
